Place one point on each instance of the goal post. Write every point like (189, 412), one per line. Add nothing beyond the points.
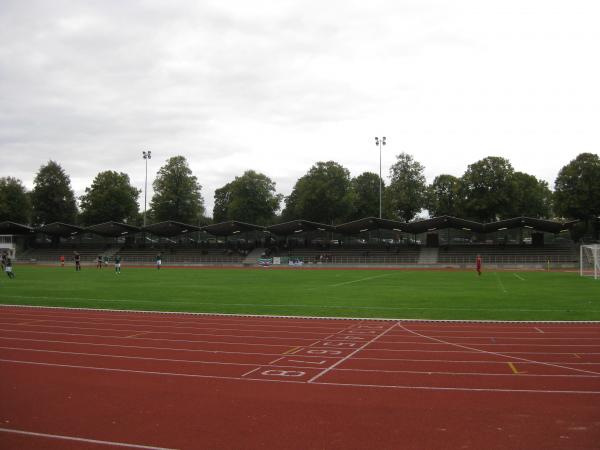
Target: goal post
(589, 261)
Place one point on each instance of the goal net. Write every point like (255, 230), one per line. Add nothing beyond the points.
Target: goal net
(589, 261)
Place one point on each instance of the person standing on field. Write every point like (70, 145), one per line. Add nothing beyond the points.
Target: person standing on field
(117, 264)
(62, 260)
(158, 261)
(77, 261)
(478, 265)
(8, 269)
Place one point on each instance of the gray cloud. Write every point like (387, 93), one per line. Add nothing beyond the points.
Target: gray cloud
(276, 86)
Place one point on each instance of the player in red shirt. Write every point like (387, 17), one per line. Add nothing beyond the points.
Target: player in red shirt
(478, 265)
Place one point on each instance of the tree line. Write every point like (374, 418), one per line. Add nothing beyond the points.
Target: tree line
(490, 189)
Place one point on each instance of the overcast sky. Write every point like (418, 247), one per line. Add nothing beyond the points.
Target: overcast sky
(277, 85)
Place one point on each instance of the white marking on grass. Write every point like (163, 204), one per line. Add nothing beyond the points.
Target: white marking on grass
(79, 439)
(519, 277)
(266, 380)
(358, 281)
(500, 284)
(499, 354)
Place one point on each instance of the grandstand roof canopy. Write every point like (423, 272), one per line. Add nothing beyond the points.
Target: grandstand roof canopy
(548, 226)
(297, 226)
(170, 228)
(443, 222)
(230, 228)
(372, 223)
(112, 229)
(60, 229)
(14, 228)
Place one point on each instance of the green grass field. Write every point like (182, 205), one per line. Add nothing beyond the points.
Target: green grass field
(340, 293)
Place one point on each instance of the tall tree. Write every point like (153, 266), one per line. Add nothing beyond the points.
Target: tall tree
(110, 197)
(577, 189)
(487, 189)
(531, 197)
(15, 204)
(365, 188)
(177, 193)
(250, 198)
(322, 195)
(52, 198)
(406, 194)
(443, 196)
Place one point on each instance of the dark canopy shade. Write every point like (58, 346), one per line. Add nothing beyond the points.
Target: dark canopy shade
(112, 229)
(14, 228)
(443, 222)
(60, 229)
(297, 226)
(548, 226)
(170, 228)
(230, 228)
(372, 223)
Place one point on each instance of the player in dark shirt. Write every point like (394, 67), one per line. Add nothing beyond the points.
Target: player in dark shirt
(117, 264)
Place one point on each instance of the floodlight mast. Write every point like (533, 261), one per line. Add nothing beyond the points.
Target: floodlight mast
(146, 155)
(379, 143)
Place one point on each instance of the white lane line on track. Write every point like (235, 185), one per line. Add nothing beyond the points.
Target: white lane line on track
(358, 281)
(79, 439)
(141, 358)
(144, 347)
(349, 355)
(174, 333)
(251, 353)
(539, 331)
(148, 339)
(266, 380)
(188, 350)
(159, 328)
(251, 371)
(504, 355)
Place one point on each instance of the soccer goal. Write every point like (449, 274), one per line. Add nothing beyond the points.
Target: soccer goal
(589, 261)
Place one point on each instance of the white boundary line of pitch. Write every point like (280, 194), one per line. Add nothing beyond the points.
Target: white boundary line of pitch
(79, 439)
(272, 316)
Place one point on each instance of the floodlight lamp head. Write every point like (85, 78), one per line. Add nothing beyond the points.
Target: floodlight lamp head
(383, 140)
(376, 141)
(150, 152)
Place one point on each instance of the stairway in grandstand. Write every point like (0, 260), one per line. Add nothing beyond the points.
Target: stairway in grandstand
(428, 255)
(253, 256)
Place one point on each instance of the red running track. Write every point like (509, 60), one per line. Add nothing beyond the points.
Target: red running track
(78, 379)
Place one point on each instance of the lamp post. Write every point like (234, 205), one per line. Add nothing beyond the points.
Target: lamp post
(379, 143)
(146, 155)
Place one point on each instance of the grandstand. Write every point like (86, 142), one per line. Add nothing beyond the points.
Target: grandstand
(441, 241)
